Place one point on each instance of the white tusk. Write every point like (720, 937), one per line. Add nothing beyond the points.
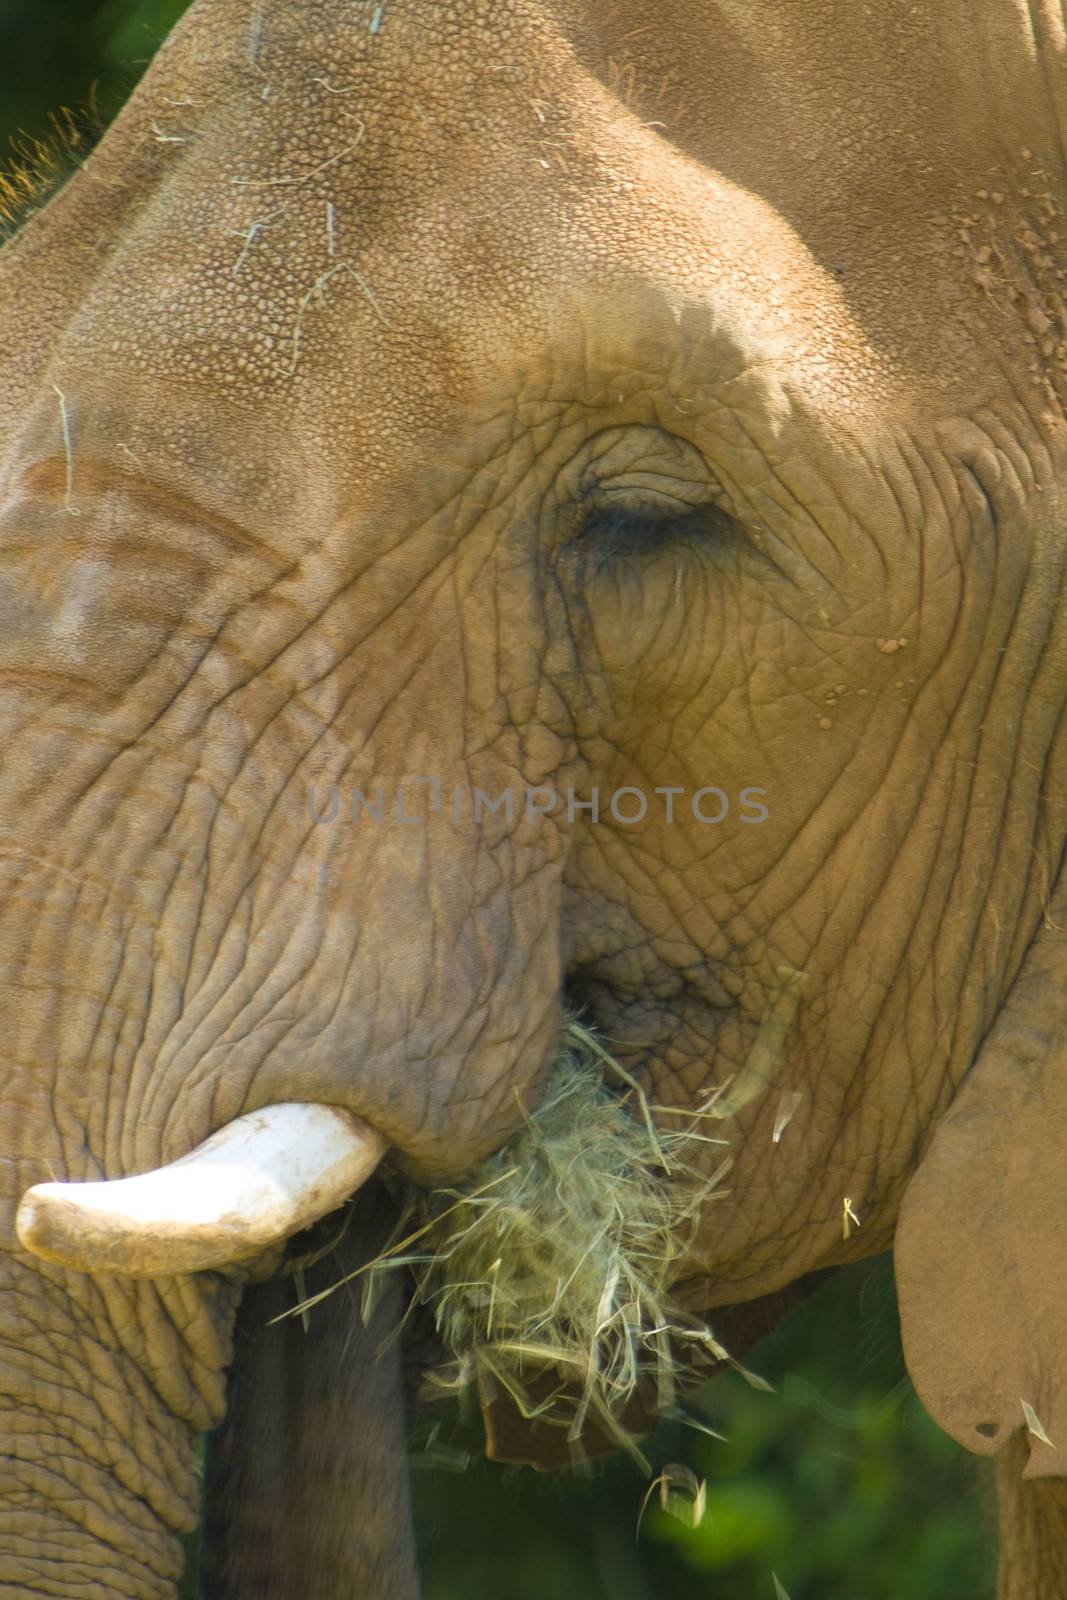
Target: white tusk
(259, 1179)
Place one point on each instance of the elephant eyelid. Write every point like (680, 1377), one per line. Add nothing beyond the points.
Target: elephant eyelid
(608, 533)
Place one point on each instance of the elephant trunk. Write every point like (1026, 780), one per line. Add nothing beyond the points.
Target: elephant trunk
(307, 1483)
(250, 1185)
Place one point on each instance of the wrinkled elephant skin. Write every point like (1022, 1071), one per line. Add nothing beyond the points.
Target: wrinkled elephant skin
(524, 399)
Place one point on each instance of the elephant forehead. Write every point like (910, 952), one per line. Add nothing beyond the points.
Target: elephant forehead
(357, 227)
(369, 225)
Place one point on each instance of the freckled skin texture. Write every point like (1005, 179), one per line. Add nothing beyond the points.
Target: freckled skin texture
(528, 392)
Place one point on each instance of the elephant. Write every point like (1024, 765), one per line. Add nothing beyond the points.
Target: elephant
(513, 512)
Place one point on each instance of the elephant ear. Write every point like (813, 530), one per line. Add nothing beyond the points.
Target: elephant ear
(981, 1243)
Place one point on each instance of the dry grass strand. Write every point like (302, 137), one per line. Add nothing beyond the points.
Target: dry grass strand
(557, 1255)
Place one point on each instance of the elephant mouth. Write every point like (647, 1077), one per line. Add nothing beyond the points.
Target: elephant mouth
(275, 1171)
(547, 1270)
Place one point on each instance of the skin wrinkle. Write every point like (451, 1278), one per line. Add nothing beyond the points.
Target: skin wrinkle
(266, 820)
(85, 1435)
(792, 506)
(395, 476)
(181, 1363)
(885, 1001)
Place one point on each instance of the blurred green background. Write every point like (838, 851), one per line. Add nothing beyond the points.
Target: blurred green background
(74, 53)
(837, 1486)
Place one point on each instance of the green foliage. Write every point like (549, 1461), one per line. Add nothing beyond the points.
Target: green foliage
(67, 53)
(129, 33)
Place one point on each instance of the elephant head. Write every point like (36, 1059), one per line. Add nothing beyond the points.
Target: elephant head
(509, 510)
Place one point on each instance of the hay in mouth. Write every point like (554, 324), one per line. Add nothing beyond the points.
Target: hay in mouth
(557, 1254)
(555, 1258)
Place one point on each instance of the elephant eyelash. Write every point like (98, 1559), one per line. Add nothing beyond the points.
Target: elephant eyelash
(628, 532)
(609, 534)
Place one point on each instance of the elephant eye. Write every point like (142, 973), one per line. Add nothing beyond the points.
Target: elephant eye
(630, 533)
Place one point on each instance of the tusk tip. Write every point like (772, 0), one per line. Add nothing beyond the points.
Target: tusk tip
(244, 1190)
